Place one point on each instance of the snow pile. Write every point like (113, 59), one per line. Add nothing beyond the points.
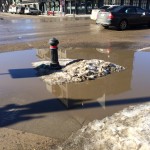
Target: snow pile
(77, 71)
(126, 130)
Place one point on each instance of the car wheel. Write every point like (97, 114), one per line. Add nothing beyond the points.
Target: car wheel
(106, 27)
(123, 25)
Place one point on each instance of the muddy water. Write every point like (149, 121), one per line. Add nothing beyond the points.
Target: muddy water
(108, 94)
(18, 80)
(31, 101)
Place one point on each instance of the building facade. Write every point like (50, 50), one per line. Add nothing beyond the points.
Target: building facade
(76, 6)
(85, 6)
(4, 4)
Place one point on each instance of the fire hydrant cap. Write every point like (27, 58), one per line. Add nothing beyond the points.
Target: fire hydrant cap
(53, 42)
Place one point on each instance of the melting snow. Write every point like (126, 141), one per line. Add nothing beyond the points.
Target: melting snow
(76, 70)
(126, 130)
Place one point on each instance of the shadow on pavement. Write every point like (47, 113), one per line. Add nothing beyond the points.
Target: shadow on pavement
(13, 113)
(22, 73)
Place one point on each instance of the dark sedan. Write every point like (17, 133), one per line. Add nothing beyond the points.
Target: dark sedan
(124, 16)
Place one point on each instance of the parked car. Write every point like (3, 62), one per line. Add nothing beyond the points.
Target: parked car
(32, 11)
(20, 10)
(104, 10)
(95, 12)
(12, 9)
(124, 16)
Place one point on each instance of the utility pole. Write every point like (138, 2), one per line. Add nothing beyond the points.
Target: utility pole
(61, 8)
(113, 2)
(62, 5)
(75, 7)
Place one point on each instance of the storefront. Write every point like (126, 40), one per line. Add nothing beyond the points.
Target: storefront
(53, 5)
(82, 6)
(86, 6)
(72, 6)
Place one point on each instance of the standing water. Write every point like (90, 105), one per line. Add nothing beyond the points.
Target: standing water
(34, 102)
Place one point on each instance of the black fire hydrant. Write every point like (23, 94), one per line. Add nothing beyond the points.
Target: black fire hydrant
(54, 54)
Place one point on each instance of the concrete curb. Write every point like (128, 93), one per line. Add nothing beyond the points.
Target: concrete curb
(51, 16)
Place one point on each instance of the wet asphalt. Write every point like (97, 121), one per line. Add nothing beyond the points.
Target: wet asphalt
(28, 104)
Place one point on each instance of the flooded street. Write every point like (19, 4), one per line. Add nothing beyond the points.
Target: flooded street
(29, 104)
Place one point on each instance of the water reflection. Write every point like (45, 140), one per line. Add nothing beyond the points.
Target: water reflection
(23, 24)
(94, 28)
(96, 91)
(43, 54)
(141, 73)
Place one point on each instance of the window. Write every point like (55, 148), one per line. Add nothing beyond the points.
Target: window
(117, 2)
(130, 10)
(143, 4)
(135, 3)
(140, 11)
(120, 9)
(126, 2)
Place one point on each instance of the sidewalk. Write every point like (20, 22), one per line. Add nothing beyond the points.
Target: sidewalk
(57, 15)
(67, 15)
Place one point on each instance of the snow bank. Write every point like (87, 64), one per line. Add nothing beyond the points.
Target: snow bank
(125, 130)
(76, 70)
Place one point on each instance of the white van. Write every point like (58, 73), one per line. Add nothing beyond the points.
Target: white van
(12, 9)
(32, 11)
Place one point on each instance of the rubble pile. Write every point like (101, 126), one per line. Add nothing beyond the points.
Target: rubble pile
(76, 71)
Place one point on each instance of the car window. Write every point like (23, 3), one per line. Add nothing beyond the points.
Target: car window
(140, 10)
(130, 10)
(32, 8)
(104, 7)
(118, 9)
(112, 8)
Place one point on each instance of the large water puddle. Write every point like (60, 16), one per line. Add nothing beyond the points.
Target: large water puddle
(118, 89)
(79, 103)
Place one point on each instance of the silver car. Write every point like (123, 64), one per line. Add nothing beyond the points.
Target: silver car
(122, 17)
(95, 12)
(32, 11)
(105, 9)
